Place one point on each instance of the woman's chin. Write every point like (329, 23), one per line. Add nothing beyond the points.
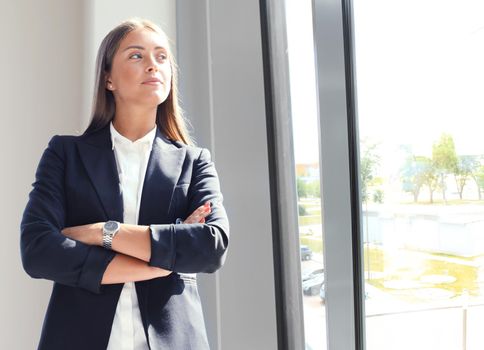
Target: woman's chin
(154, 100)
(159, 96)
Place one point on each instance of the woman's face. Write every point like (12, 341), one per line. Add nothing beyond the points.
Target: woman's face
(141, 71)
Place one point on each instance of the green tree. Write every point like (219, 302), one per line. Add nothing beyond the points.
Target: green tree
(466, 167)
(369, 161)
(368, 164)
(479, 179)
(313, 189)
(413, 175)
(430, 175)
(444, 159)
(378, 196)
(302, 188)
(302, 211)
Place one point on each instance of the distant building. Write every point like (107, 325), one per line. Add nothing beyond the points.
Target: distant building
(307, 171)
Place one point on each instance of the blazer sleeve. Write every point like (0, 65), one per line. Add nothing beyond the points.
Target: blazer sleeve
(193, 248)
(45, 251)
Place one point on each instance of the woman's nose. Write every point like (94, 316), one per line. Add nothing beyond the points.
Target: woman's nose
(152, 68)
(152, 65)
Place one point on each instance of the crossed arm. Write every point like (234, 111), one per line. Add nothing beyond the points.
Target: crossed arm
(133, 245)
(73, 256)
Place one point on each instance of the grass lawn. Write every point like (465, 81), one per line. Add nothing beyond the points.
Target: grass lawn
(413, 267)
(313, 208)
(309, 220)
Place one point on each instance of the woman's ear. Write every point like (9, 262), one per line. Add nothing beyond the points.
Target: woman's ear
(109, 83)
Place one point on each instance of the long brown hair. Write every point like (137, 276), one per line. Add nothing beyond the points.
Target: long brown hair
(169, 116)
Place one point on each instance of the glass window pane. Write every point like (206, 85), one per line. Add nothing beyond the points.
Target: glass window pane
(420, 87)
(306, 148)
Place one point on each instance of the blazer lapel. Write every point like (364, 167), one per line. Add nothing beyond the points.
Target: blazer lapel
(164, 169)
(98, 158)
(162, 173)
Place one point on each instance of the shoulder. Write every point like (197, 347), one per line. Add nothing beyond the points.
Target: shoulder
(58, 143)
(63, 139)
(70, 138)
(201, 154)
(100, 138)
(193, 151)
(62, 144)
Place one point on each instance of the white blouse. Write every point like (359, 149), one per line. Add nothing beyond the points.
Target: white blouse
(132, 160)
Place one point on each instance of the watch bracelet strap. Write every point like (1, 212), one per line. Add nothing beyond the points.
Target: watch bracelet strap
(107, 241)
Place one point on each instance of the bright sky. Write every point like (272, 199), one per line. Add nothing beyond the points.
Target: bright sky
(420, 72)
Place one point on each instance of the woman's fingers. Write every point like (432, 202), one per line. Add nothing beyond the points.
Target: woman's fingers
(199, 214)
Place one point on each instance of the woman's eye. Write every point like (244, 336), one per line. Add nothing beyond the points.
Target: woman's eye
(161, 57)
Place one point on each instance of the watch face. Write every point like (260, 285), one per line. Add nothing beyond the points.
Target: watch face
(111, 226)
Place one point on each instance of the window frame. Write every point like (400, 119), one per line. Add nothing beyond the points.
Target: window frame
(339, 164)
(283, 194)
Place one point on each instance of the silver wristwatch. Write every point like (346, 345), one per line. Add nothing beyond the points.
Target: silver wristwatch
(110, 229)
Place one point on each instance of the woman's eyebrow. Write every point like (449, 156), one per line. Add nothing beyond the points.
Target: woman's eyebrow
(142, 48)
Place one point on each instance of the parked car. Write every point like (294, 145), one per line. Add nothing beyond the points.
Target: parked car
(313, 285)
(310, 273)
(306, 252)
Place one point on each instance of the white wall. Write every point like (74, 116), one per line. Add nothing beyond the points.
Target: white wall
(222, 88)
(41, 85)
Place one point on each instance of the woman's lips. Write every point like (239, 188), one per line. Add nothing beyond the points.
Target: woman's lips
(151, 83)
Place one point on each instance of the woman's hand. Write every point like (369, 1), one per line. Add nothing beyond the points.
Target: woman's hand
(90, 234)
(198, 216)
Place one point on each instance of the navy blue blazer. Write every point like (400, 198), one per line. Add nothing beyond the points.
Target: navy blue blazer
(77, 183)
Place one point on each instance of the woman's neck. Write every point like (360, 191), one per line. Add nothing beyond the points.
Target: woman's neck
(134, 123)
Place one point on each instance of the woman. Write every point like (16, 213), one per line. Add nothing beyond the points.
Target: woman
(103, 217)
